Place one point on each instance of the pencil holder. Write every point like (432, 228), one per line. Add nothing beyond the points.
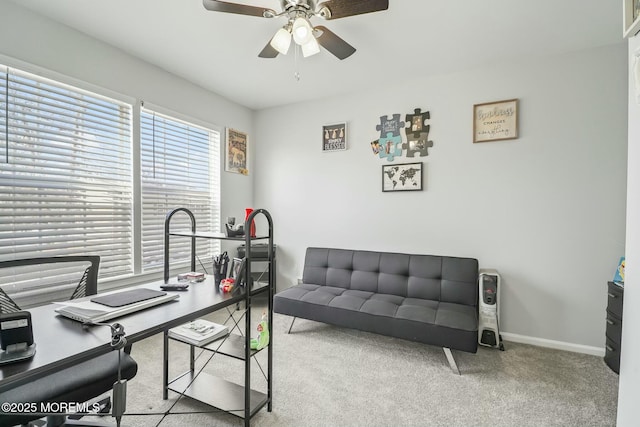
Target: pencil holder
(217, 277)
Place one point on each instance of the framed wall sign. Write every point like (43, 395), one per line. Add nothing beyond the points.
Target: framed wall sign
(631, 18)
(334, 137)
(402, 177)
(495, 121)
(236, 152)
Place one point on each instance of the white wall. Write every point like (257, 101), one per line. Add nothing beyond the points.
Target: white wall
(36, 40)
(629, 393)
(546, 210)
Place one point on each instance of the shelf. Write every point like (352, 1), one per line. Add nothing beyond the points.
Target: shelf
(219, 393)
(259, 287)
(211, 390)
(220, 236)
(233, 346)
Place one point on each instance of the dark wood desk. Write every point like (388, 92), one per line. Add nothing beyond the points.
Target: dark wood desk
(62, 342)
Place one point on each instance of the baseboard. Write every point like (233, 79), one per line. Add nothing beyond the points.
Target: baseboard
(558, 345)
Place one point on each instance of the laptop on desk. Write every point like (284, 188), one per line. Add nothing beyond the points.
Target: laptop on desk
(109, 305)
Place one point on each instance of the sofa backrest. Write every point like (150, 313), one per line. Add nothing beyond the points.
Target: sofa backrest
(439, 278)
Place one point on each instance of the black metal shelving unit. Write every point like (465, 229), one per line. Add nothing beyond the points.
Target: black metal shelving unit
(217, 392)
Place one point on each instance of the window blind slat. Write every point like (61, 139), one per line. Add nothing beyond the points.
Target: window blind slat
(79, 136)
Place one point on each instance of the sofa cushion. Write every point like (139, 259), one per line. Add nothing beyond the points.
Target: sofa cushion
(432, 322)
(447, 279)
(426, 311)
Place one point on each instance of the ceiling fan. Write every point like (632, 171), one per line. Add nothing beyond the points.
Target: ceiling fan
(298, 14)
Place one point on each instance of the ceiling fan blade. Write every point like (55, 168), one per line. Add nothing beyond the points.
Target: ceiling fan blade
(334, 44)
(224, 6)
(343, 8)
(268, 51)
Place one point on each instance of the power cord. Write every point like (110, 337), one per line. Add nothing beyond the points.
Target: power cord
(118, 339)
(118, 342)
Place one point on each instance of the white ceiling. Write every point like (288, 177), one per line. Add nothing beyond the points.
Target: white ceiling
(414, 38)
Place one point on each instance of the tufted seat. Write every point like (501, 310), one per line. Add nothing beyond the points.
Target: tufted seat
(424, 298)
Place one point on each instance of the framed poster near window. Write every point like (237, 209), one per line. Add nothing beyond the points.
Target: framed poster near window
(236, 152)
(402, 177)
(495, 121)
(334, 137)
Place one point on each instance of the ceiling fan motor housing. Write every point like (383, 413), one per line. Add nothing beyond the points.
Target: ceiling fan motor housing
(306, 4)
(295, 8)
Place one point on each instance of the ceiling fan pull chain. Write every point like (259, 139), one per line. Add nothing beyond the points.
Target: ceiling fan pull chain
(296, 73)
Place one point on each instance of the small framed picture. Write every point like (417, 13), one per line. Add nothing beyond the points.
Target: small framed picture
(334, 137)
(375, 147)
(237, 270)
(402, 177)
(236, 152)
(495, 121)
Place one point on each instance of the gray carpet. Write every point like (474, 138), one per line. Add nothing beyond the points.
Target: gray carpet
(329, 376)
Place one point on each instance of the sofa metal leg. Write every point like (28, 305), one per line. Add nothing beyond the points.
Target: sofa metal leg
(291, 326)
(452, 361)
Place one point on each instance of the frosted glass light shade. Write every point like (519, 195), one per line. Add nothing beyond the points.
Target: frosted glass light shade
(310, 48)
(281, 41)
(301, 31)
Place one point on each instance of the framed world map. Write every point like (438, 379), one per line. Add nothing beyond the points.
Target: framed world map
(402, 177)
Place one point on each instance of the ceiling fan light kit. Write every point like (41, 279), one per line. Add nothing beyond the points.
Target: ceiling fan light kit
(310, 48)
(298, 14)
(302, 32)
(281, 41)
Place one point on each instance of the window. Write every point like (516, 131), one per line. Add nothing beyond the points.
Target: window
(180, 167)
(67, 181)
(65, 173)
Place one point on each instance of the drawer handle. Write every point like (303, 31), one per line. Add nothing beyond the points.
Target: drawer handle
(609, 348)
(612, 295)
(611, 322)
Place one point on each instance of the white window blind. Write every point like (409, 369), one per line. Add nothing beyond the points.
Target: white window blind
(65, 173)
(180, 167)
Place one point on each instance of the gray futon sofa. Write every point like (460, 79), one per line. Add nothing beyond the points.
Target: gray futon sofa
(423, 298)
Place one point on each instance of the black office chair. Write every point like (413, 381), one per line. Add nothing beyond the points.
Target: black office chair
(80, 383)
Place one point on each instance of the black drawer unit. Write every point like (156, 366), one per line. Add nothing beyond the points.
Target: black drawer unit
(614, 327)
(615, 298)
(612, 355)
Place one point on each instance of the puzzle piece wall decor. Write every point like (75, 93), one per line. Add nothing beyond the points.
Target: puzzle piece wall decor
(419, 145)
(417, 122)
(389, 146)
(392, 125)
(417, 133)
